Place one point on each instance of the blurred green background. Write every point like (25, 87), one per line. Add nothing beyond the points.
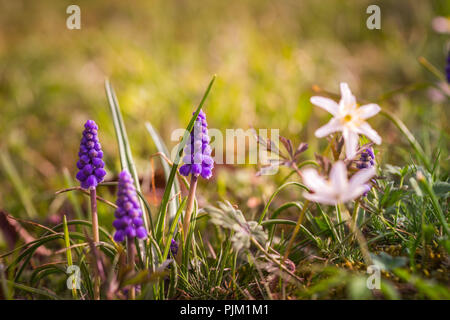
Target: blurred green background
(160, 55)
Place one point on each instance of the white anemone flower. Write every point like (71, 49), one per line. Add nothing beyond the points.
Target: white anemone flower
(338, 189)
(348, 118)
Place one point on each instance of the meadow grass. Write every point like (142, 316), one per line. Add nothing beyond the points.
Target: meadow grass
(249, 236)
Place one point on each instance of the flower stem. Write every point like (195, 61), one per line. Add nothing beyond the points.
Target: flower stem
(296, 230)
(187, 215)
(95, 234)
(189, 206)
(130, 257)
(271, 258)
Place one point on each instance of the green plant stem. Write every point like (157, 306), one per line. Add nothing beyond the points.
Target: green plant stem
(409, 136)
(188, 214)
(130, 257)
(256, 243)
(355, 213)
(398, 202)
(96, 237)
(69, 253)
(189, 206)
(434, 201)
(296, 230)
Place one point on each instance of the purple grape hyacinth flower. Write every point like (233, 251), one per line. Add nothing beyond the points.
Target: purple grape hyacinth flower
(90, 164)
(447, 68)
(366, 160)
(174, 247)
(197, 159)
(129, 222)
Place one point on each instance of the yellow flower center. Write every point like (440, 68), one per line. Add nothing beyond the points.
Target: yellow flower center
(348, 118)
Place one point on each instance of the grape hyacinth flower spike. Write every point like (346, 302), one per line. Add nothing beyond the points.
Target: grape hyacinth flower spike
(129, 222)
(447, 68)
(366, 161)
(197, 159)
(90, 164)
(197, 162)
(91, 173)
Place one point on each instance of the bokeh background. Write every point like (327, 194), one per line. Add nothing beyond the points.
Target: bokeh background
(160, 55)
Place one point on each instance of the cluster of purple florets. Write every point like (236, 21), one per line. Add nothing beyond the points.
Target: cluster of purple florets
(447, 68)
(197, 159)
(366, 159)
(90, 163)
(174, 247)
(128, 223)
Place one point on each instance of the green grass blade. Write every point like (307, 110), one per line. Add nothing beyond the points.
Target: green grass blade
(409, 136)
(22, 190)
(266, 208)
(172, 228)
(68, 251)
(126, 158)
(72, 198)
(33, 290)
(161, 147)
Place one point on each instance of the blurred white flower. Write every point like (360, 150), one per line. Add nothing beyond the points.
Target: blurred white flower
(338, 189)
(348, 118)
(441, 24)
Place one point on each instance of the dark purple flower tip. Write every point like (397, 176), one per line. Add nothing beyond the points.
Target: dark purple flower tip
(197, 159)
(173, 247)
(206, 173)
(366, 160)
(185, 169)
(141, 233)
(447, 68)
(128, 213)
(119, 236)
(90, 164)
(367, 187)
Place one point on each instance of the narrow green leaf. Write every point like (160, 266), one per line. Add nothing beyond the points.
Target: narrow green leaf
(161, 147)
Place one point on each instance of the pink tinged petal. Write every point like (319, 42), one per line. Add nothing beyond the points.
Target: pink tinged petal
(352, 194)
(326, 104)
(313, 180)
(347, 98)
(320, 198)
(361, 177)
(367, 130)
(338, 176)
(368, 110)
(332, 126)
(351, 143)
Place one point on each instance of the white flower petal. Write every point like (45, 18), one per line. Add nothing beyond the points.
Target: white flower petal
(338, 176)
(313, 180)
(348, 100)
(353, 193)
(368, 110)
(351, 142)
(361, 177)
(326, 104)
(332, 126)
(365, 129)
(320, 198)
